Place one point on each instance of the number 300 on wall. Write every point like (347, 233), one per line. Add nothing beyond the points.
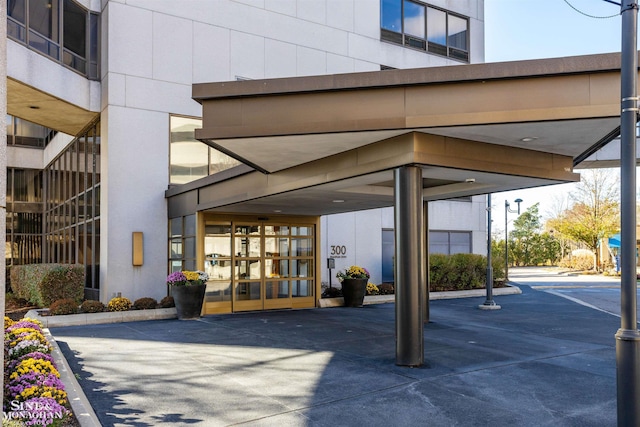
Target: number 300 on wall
(338, 250)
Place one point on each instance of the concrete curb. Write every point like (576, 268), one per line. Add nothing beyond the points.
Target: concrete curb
(80, 405)
(381, 299)
(104, 317)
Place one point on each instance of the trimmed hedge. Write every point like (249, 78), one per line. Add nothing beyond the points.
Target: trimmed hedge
(64, 306)
(461, 271)
(42, 284)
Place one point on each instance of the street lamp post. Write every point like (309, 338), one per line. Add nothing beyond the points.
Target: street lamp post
(628, 336)
(489, 303)
(507, 210)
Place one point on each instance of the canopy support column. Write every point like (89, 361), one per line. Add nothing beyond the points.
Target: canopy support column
(409, 275)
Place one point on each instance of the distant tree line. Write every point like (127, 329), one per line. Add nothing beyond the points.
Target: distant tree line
(592, 215)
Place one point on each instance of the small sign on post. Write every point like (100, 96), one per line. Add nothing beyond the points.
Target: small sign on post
(331, 263)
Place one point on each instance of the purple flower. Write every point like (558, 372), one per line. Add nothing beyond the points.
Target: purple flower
(176, 278)
(11, 366)
(31, 379)
(23, 324)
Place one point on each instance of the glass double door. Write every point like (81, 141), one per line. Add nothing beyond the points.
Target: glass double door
(258, 266)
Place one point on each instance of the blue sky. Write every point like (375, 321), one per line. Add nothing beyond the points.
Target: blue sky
(534, 29)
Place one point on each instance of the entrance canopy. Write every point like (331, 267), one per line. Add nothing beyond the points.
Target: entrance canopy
(328, 144)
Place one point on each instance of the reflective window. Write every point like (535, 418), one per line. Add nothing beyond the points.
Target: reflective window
(437, 27)
(301, 288)
(43, 18)
(414, 19)
(449, 242)
(420, 26)
(391, 15)
(191, 159)
(75, 28)
(75, 36)
(40, 25)
(248, 262)
(16, 9)
(94, 43)
(28, 134)
(16, 19)
(182, 243)
(72, 207)
(217, 262)
(457, 37)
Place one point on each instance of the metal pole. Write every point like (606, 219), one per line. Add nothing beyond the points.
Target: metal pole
(506, 243)
(628, 336)
(425, 266)
(409, 259)
(489, 303)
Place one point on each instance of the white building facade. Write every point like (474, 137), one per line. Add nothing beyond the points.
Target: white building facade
(119, 93)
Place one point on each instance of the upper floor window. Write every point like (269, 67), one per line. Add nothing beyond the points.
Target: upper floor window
(23, 133)
(421, 26)
(61, 29)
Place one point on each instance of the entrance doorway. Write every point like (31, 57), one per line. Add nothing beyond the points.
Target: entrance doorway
(259, 265)
(388, 252)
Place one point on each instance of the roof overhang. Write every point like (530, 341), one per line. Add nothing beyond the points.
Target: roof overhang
(474, 129)
(45, 109)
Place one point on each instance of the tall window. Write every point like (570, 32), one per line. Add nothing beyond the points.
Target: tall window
(421, 26)
(24, 217)
(182, 243)
(72, 208)
(61, 29)
(191, 159)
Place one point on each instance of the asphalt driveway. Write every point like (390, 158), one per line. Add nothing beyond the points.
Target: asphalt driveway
(540, 360)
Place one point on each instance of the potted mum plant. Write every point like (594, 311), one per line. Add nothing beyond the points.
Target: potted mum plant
(354, 285)
(187, 290)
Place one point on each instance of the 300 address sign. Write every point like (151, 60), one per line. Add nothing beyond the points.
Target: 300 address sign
(338, 251)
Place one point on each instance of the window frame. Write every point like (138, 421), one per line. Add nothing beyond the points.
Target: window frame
(422, 44)
(449, 234)
(23, 33)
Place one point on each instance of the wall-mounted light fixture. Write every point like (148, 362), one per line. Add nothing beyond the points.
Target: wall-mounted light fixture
(137, 253)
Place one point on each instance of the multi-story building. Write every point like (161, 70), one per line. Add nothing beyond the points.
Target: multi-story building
(101, 132)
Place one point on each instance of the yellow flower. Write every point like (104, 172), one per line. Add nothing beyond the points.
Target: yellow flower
(7, 322)
(191, 275)
(372, 289)
(34, 365)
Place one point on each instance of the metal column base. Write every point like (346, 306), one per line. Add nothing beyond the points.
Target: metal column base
(489, 306)
(628, 377)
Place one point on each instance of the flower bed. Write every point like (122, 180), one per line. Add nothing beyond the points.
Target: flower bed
(33, 392)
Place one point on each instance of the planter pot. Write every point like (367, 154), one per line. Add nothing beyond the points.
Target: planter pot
(353, 291)
(188, 300)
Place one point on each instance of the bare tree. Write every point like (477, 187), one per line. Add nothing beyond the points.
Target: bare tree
(595, 210)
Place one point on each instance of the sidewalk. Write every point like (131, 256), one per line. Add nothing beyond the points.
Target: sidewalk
(540, 360)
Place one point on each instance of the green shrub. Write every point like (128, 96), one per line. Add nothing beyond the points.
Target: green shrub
(119, 304)
(167, 302)
(91, 306)
(145, 304)
(42, 284)
(458, 271)
(66, 281)
(63, 306)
